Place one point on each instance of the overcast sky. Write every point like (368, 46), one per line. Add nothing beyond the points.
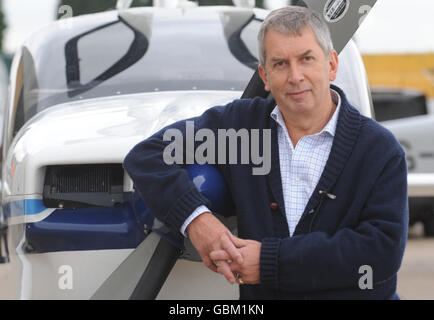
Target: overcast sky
(391, 26)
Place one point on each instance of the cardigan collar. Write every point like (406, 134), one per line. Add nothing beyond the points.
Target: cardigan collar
(330, 127)
(347, 130)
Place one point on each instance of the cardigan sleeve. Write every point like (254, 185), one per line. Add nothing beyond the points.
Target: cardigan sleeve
(319, 261)
(166, 188)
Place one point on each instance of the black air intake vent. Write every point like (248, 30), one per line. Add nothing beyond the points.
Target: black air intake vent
(74, 186)
(68, 179)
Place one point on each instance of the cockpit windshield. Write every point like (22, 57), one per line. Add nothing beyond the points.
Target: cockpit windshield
(142, 50)
(138, 51)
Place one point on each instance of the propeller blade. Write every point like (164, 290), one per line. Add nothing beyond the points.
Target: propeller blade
(142, 274)
(342, 16)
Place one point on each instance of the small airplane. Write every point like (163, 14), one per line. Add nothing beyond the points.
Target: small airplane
(83, 92)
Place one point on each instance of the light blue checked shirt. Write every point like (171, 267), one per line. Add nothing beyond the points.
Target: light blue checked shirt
(300, 167)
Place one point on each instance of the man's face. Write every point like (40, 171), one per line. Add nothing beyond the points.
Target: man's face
(297, 71)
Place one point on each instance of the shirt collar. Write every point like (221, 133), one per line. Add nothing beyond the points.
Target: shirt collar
(330, 127)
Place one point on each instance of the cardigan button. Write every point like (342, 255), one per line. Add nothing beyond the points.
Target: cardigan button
(274, 206)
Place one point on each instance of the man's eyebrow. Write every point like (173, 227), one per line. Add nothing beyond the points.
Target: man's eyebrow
(307, 52)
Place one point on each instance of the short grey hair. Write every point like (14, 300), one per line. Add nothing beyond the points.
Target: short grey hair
(292, 20)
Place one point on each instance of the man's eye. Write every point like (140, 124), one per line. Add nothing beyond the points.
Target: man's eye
(308, 58)
(280, 64)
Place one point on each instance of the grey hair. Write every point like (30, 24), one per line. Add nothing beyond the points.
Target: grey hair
(292, 20)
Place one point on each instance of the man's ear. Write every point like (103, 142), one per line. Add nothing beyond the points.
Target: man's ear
(333, 64)
(263, 75)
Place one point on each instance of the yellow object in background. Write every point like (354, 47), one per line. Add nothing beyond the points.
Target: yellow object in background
(414, 71)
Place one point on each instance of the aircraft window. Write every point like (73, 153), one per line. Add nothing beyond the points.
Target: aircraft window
(26, 94)
(87, 59)
(241, 29)
(105, 51)
(128, 55)
(249, 36)
(18, 108)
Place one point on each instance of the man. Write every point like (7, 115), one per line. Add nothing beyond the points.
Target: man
(334, 201)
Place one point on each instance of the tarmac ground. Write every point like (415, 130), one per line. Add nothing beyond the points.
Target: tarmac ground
(415, 277)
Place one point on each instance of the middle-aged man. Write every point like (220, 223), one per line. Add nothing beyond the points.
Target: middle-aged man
(332, 211)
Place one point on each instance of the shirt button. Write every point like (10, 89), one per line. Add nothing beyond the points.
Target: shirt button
(297, 180)
(274, 206)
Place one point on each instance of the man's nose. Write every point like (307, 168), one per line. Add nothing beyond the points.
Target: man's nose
(295, 74)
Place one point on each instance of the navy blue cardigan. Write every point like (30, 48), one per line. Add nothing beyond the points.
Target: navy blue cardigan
(366, 224)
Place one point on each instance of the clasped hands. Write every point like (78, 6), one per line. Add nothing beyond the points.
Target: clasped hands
(236, 259)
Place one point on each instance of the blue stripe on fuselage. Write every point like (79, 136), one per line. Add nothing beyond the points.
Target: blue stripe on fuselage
(93, 228)
(23, 207)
